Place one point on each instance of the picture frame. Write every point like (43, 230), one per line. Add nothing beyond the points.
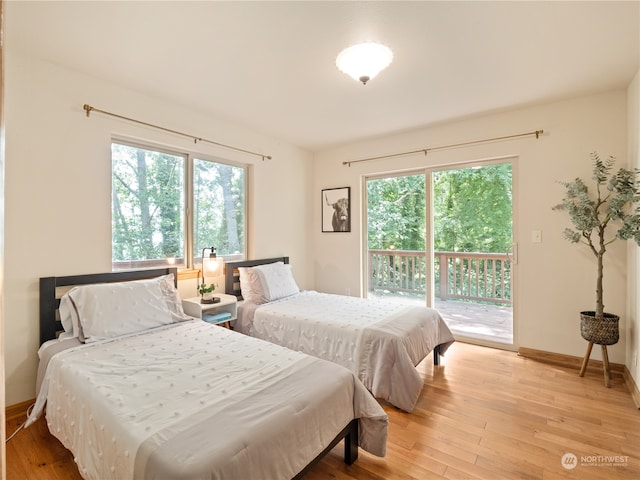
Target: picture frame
(336, 210)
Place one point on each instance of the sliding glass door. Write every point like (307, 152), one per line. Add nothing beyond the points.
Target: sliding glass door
(443, 238)
(473, 262)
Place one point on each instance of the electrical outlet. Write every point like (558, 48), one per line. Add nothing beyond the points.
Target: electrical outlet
(347, 291)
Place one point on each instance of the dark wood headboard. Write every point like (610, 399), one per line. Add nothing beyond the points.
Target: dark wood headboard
(50, 293)
(232, 274)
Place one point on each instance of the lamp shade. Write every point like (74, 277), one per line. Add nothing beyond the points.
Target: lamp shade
(211, 266)
(364, 61)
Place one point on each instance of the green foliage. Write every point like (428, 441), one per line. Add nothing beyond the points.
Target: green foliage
(473, 209)
(396, 216)
(218, 207)
(147, 204)
(607, 212)
(472, 213)
(204, 288)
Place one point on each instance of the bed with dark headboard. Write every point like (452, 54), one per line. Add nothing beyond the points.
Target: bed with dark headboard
(389, 339)
(270, 427)
(232, 274)
(52, 288)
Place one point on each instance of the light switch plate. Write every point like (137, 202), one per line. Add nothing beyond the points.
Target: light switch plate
(536, 236)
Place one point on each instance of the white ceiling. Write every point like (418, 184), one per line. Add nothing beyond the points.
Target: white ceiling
(271, 65)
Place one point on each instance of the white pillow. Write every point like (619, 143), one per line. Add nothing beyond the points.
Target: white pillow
(112, 309)
(250, 285)
(172, 297)
(277, 281)
(68, 317)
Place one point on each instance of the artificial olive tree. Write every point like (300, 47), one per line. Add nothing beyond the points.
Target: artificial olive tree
(607, 212)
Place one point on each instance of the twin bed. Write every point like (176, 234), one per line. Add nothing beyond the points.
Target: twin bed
(381, 342)
(136, 389)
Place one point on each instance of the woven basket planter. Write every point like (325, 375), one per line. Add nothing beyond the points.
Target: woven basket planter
(602, 331)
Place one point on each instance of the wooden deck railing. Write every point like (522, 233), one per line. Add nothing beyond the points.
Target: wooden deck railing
(482, 277)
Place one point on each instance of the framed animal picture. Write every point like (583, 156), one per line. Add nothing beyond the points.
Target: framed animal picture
(336, 209)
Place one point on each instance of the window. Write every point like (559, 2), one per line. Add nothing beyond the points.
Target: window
(218, 208)
(152, 192)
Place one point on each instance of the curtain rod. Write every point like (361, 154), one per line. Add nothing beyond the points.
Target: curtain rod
(537, 133)
(88, 108)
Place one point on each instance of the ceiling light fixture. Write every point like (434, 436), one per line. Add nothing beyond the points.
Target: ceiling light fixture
(364, 61)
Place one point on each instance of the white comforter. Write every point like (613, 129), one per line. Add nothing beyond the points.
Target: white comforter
(197, 401)
(381, 342)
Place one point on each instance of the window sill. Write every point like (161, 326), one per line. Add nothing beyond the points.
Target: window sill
(188, 273)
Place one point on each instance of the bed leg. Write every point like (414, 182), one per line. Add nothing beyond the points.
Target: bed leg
(436, 355)
(351, 443)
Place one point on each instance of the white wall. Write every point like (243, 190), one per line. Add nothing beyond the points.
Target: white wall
(554, 279)
(633, 263)
(58, 189)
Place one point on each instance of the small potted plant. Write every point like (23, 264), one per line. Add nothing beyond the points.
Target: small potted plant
(608, 212)
(206, 293)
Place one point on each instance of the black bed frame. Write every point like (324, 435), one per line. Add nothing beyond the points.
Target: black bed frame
(350, 435)
(232, 284)
(50, 327)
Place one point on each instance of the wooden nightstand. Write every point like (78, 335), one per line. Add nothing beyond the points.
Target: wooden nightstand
(227, 303)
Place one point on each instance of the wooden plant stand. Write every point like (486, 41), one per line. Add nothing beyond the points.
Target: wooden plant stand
(605, 364)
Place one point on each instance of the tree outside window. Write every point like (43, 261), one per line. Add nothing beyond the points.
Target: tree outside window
(150, 200)
(219, 208)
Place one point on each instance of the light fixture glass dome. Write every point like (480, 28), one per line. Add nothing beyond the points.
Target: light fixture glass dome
(364, 61)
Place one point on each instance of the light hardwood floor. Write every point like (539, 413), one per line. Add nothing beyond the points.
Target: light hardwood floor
(484, 413)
